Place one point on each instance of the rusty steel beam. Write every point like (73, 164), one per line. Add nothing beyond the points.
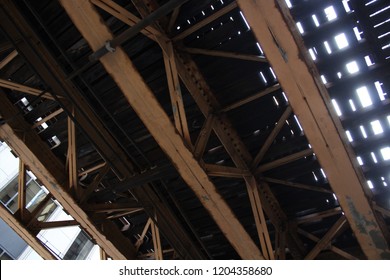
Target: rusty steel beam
(140, 97)
(318, 216)
(24, 89)
(225, 171)
(251, 98)
(71, 160)
(141, 238)
(48, 117)
(158, 250)
(179, 113)
(103, 255)
(204, 136)
(284, 160)
(33, 216)
(55, 224)
(22, 190)
(92, 169)
(296, 185)
(8, 59)
(275, 29)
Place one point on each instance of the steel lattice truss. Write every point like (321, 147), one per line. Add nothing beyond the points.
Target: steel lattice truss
(202, 129)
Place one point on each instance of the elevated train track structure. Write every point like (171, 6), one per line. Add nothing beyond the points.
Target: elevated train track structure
(213, 129)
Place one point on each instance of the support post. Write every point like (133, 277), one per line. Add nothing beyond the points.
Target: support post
(22, 190)
(158, 251)
(142, 236)
(72, 159)
(203, 138)
(280, 245)
(179, 112)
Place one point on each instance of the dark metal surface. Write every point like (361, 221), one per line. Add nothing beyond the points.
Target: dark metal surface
(231, 80)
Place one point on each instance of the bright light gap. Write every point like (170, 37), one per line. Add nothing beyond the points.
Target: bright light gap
(244, 19)
(337, 108)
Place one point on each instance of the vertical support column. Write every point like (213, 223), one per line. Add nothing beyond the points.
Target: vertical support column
(22, 190)
(203, 138)
(261, 226)
(158, 251)
(144, 231)
(103, 255)
(280, 245)
(72, 158)
(179, 113)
